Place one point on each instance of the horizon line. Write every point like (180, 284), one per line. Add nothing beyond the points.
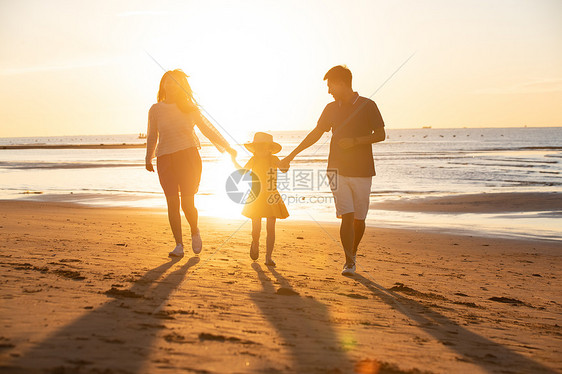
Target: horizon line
(306, 130)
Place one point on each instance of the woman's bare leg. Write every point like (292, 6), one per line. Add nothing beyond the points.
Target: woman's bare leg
(190, 211)
(174, 217)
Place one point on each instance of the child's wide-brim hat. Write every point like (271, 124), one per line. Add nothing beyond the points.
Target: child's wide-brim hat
(263, 138)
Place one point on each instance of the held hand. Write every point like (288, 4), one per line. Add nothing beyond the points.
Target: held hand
(148, 165)
(285, 164)
(232, 152)
(233, 155)
(236, 164)
(346, 143)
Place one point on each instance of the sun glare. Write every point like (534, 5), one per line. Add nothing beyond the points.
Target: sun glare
(241, 77)
(213, 199)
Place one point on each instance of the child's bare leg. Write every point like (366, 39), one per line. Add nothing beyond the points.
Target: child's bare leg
(270, 243)
(255, 247)
(256, 229)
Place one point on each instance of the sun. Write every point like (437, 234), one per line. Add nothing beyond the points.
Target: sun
(246, 76)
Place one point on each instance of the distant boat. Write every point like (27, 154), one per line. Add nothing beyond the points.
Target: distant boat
(142, 135)
(426, 127)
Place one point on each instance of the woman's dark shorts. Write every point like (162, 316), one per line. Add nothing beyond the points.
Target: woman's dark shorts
(180, 171)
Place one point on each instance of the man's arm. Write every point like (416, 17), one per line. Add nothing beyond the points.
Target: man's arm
(377, 136)
(310, 139)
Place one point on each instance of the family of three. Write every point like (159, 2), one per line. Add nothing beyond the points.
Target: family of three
(355, 122)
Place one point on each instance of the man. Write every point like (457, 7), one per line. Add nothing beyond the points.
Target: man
(356, 123)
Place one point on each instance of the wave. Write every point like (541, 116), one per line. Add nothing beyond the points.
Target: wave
(506, 164)
(73, 146)
(80, 146)
(64, 165)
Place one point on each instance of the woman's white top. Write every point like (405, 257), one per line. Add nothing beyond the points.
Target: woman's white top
(171, 130)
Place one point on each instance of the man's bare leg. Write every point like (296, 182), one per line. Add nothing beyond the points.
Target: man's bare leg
(359, 230)
(347, 236)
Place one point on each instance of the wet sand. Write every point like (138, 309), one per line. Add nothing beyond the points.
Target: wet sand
(550, 202)
(91, 290)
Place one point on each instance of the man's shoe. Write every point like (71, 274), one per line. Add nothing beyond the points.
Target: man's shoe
(348, 269)
(177, 252)
(196, 242)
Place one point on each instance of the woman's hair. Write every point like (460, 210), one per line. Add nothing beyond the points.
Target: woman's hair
(184, 100)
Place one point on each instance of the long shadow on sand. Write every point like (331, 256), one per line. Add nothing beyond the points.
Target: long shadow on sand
(476, 349)
(303, 324)
(117, 337)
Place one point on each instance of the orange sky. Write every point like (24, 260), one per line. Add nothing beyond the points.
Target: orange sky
(72, 68)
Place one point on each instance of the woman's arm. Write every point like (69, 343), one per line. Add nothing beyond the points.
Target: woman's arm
(212, 133)
(151, 139)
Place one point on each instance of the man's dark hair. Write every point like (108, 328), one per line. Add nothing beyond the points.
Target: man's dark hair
(339, 73)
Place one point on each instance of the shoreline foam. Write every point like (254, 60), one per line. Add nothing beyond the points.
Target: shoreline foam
(530, 215)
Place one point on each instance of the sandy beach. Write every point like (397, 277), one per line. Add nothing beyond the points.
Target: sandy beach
(91, 290)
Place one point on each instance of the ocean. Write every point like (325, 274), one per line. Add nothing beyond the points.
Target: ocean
(410, 164)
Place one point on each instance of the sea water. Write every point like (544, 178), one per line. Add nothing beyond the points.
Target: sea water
(410, 163)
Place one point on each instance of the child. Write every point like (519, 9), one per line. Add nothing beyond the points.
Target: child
(265, 202)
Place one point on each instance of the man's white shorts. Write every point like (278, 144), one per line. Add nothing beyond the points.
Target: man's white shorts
(351, 195)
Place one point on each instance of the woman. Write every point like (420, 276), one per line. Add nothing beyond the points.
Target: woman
(171, 124)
